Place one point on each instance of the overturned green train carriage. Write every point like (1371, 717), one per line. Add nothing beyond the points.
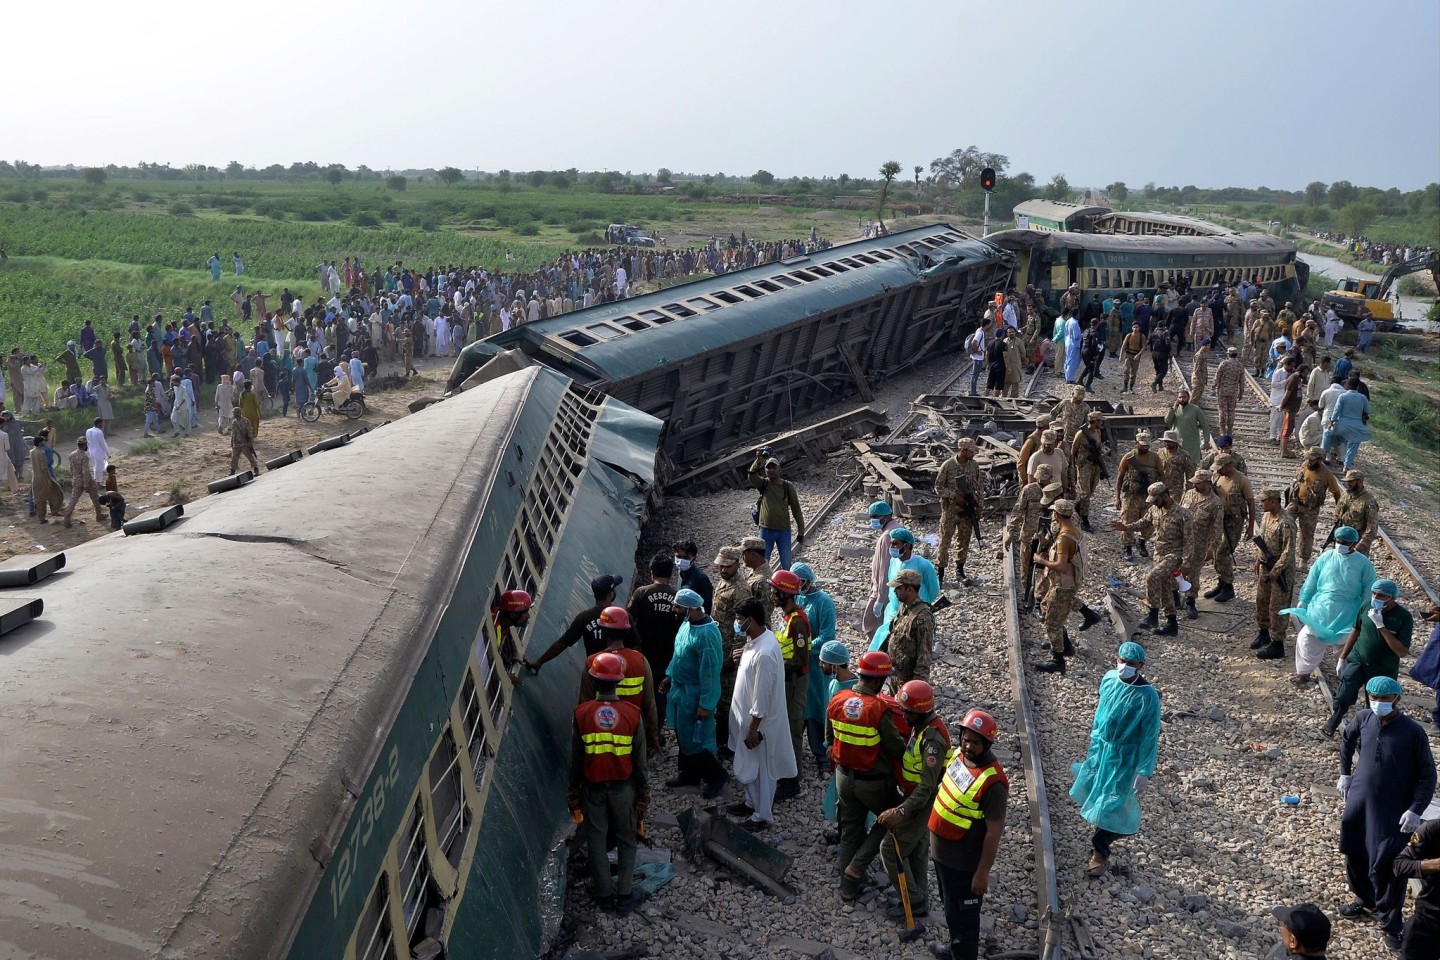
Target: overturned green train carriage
(1111, 264)
(280, 727)
(727, 358)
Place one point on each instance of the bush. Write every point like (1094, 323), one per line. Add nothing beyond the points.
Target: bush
(527, 229)
(364, 218)
(181, 209)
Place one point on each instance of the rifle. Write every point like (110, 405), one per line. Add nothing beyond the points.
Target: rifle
(971, 511)
(1096, 455)
(1042, 535)
(1268, 561)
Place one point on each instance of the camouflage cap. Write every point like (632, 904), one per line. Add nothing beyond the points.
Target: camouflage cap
(1272, 493)
(1044, 420)
(727, 557)
(906, 578)
(1313, 453)
(1171, 436)
(1096, 416)
(1051, 492)
(1155, 491)
(1050, 436)
(752, 543)
(1353, 475)
(1225, 460)
(1142, 436)
(967, 443)
(1044, 472)
(1201, 475)
(1064, 508)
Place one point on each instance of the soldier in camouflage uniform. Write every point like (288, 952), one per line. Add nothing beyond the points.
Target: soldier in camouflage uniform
(1224, 443)
(1032, 443)
(1132, 348)
(406, 342)
(1261, 334)
(961, 497)
(1063, 570)
(757, 574)
(1170, 525)
(1175, 463)
(912, 632)
(1229, 383)
(1358, 508)
(1070, 416)
(1237, 524)
(1313, 479)
(1206, 516)
(1274, 578)
(1200, 368)
(1025, 515)
(1137, 470)
(730, 590)
(1086, 453)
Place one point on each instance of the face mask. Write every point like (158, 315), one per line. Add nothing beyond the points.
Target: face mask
(876, 524)
(738, 628)
(1127, 672)
(682, 564)
(895, 552)
(1381, 708)
(1377, 604)
(1344, 548)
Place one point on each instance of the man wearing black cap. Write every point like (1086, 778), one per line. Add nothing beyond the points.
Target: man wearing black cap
(1420, 860)
(586, 624)
(1304, 932)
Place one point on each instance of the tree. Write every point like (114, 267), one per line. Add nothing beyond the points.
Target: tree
(396, 183)
(558, 180)
(960, 171)
(1058, 188)
(918, 170)
(1342, 192)
(95, 176)
(662, 175)
(843, 179)
(762, 177)
(1355, 217)
(708, 179)
(333, 175)
(1118, 191)
(537, 178)
(1314, 193)
(450, 175)
(889, 170)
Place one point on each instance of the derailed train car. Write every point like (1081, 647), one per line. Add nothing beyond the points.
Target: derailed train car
(280, 728)
(728, 358)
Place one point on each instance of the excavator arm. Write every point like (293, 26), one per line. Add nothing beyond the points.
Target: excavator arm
(1429, 261)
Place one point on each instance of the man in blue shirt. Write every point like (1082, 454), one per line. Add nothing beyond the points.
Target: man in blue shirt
(1349, 422)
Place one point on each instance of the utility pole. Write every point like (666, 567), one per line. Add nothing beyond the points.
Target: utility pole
(987, 182)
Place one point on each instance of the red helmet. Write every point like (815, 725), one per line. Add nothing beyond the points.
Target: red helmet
(785, 581)
(514, 601)
(607, 666)
(874, 663)
(616, 618)
(917, 696)
(982, 723)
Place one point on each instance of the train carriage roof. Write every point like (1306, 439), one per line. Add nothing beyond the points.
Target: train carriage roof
(1056, 210)
(617, 352)
(178, 726)
(1249, 243)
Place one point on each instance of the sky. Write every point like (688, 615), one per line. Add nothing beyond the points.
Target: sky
(1274, 93)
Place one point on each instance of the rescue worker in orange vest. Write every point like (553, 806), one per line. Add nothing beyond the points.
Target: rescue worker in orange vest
(637, 687)
(865, 745)
(608, 790)
(794, 637)
(966, 822)
(920, 771)
(509, 617)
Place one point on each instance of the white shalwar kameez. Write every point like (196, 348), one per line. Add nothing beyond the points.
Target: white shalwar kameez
(99, 452)
(760, 692)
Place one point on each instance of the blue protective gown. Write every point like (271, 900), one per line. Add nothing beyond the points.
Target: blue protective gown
(929, 592)
(1073, 337)
(820, 611)
(1123, 743)
(694, 674)
(1335, 591)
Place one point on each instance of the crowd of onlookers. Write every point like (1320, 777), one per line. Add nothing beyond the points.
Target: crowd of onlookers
(1374, 251)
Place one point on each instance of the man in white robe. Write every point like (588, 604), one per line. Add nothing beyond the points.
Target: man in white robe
(759, 724)
(99, 449)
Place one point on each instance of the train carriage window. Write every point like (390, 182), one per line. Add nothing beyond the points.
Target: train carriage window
(634, 323)
(700, 303)
(417, 883)
(477, 745)
(785, 280)
(447, 799)
(849, 262)
(578, 338)
(725, 296)
(603, 331)
(655, 316)
(1149, 278)
(883, 255)
(677, 310)
(749, 291)
(1129, 279)
(767, 286)
(1105, 279)
(864, 259)
(1092, 276)
(907, 250)
(374, 939)
(836, 266)
(820, 271)
(802, 275)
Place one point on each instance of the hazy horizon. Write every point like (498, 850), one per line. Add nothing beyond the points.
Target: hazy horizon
(1251, 95)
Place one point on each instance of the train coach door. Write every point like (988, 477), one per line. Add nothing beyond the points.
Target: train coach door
(1073, 267)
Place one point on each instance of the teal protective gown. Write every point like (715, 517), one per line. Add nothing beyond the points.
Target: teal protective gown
(820, 611)
(1335, 591)
(694, 674)
(929, 592)
(1123, 743)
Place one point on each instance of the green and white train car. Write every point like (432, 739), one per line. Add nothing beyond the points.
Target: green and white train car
(280, 728)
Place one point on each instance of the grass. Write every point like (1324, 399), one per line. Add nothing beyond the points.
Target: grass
(153, 445)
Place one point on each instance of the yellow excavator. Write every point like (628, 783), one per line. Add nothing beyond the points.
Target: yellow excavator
(1355, 299)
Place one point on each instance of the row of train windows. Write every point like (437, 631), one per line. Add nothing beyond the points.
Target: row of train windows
(753, 290)
(1117, 279)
